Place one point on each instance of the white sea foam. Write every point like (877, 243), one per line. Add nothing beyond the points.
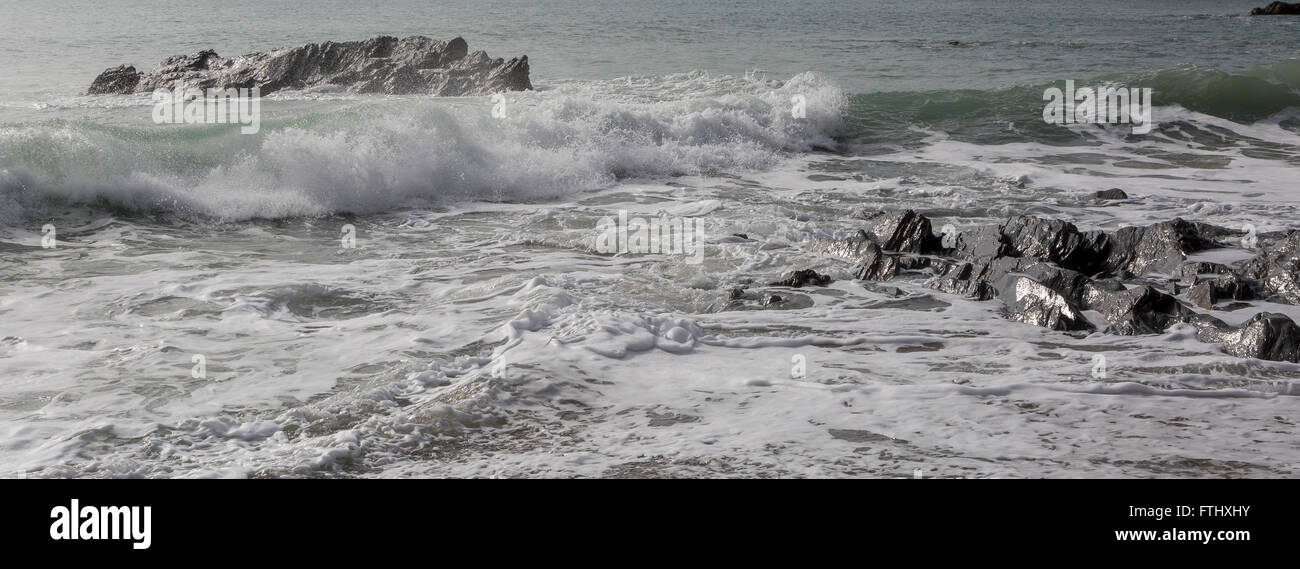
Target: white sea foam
(358, 155)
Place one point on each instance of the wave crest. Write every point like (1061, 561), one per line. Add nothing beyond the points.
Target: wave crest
(368, 155)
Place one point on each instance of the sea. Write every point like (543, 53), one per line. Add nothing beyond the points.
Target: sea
(412, 286)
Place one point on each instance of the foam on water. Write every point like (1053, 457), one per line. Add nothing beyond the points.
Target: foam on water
(361, 155)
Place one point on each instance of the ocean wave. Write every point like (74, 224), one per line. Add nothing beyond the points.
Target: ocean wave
(368, 155)
(1244, 97)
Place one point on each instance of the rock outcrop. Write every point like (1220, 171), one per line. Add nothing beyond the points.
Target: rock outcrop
(1277, 9)
(1049, 273)
(385, 64)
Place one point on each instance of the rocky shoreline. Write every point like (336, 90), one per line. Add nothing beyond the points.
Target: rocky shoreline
(1132, 281)
(384, 64)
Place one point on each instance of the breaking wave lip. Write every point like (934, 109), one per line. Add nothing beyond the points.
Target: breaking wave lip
(371, 155)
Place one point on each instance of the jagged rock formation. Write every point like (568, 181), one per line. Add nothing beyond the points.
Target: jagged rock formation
(1049, 273)
(385, 64)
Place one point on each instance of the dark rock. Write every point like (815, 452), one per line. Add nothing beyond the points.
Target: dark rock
(1057, 241)
(1111, 194)
(1267, 336)
(1277, 9)
(972, 279)
(385, 64)
(1048, 273)
(905, 231)
(876, 264)
(1032, 302)
(1230, 286)
(1277, 272)
(120, 79)
(1162, 247)
(740, 299)
(1202, 295)
(805, 277)
(1140, 310)
(736, 293)
(1191, 272)
(982, 243)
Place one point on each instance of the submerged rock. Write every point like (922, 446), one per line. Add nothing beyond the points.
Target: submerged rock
(1111, 194)
(806, 277)
(384, 64)
(741, 299)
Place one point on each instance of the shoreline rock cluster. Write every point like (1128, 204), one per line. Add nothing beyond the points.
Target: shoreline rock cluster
(1132, 281)
(384, 64)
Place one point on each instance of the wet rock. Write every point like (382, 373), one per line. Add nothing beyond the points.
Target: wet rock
(806, 277)
(1111, 194)
(983, 242)
(736, 293)
(741, 299)
(855, 248)
(905, 231)
(120, 79)
(1032, 302)
(1191, 272)
(1202, 295)
(1267, 336)
(876, 264)
(385, 64)
(1277, 272)
(1162, 247)
(972, 279)
(1277, 9)
(1049, 273)
(1025, 236)
(1140, 310)
(1231, 286)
